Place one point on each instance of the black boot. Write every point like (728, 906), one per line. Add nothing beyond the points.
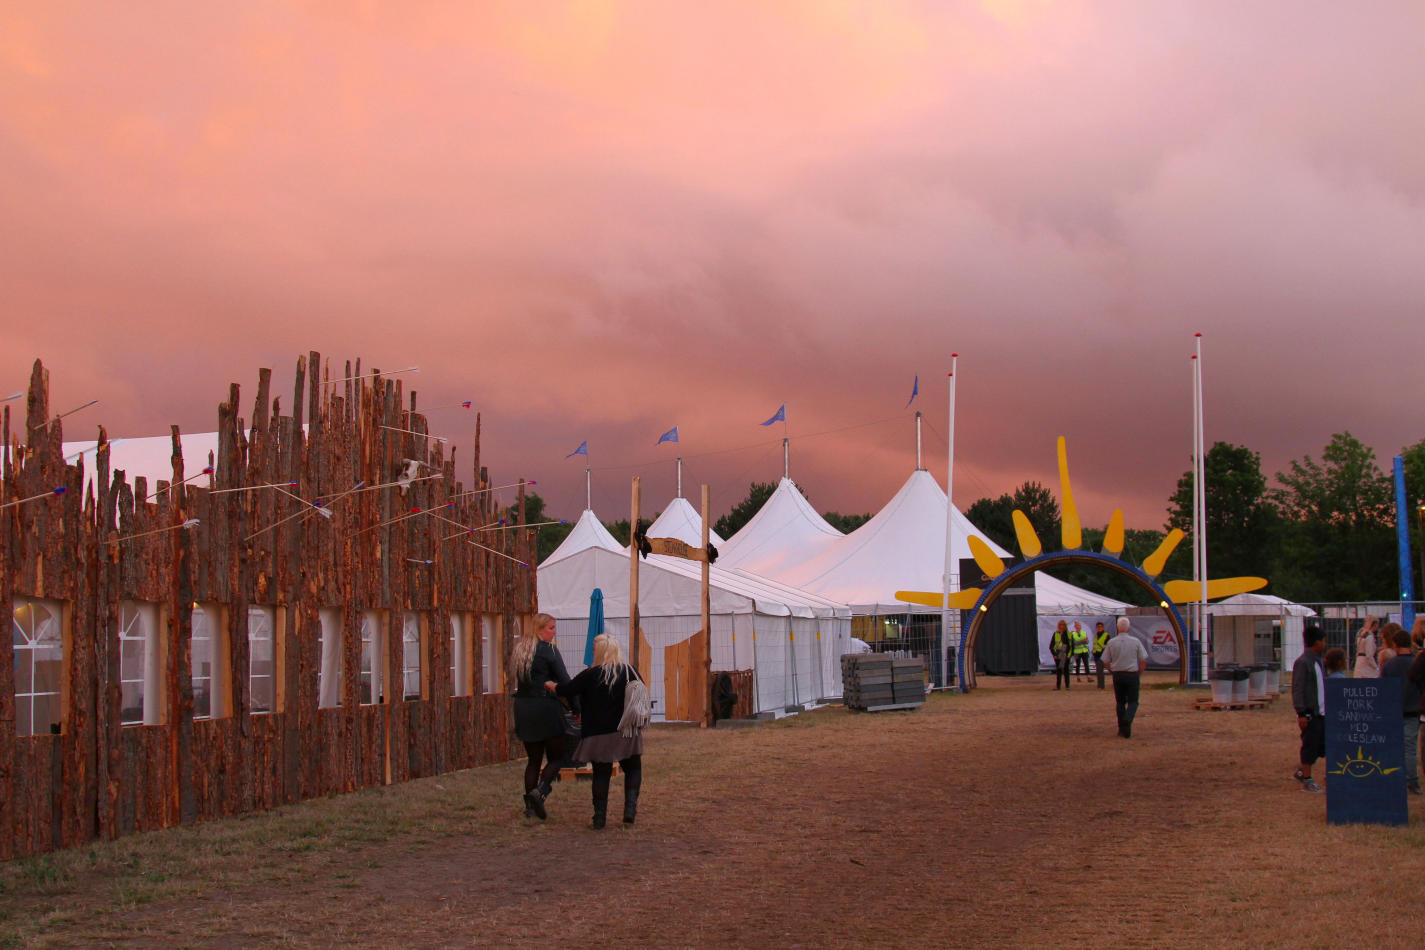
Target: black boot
(534, 800)
(632, 782)
(601, 813)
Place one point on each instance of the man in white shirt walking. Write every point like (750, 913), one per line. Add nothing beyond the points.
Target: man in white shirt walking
(1126, 658)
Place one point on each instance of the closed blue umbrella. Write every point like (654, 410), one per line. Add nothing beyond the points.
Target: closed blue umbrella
(596, 624)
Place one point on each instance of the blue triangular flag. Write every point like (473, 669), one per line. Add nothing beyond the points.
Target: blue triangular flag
(583, 449)
(914, 390)
(670, 436)
(779, 416)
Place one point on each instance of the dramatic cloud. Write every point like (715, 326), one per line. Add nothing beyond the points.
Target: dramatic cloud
(598, 220)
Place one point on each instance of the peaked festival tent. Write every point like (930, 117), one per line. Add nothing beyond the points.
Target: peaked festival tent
(681, 520)
(149, 457)
(901, 548)
(785, 531)
(791, 640)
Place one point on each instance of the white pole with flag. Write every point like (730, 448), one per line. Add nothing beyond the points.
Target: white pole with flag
(1201, 508)
(949, 618)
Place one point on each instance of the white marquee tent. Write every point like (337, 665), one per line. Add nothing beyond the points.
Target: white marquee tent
(901, 548)
(791, 639)
(149, 457)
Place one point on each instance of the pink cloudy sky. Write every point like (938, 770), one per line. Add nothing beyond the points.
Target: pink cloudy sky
(598, 220)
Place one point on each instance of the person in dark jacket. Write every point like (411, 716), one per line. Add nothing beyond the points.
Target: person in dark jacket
(1059, 647)
(1400, 666)
(1308, 692)
(539, 716)
(601, 690)
(1416, 676)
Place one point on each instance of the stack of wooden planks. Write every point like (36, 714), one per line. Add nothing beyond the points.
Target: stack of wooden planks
(878, 681)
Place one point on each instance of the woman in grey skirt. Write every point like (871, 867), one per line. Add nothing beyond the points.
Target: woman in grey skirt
(539, 716)
(600, 689)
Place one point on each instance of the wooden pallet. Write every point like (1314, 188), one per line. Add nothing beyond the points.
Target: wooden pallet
(1248, 704)
(583, 773)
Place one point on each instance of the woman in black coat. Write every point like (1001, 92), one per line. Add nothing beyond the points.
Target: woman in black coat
(539, 716)
(601, 689)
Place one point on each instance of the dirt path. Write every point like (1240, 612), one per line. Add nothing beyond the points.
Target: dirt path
(1009, 817)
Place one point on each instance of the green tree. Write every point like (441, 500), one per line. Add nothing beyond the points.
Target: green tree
(1414, 456)
(547, 537)
(619, 529)
(994, 516)
(1242, 521)
(845, 523)
(1041, 508)
(1137, 545)
(757, 495)
(1338, 542)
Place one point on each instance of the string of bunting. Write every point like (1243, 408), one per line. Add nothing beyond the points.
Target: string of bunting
(45, 425)
(57, 490)
(207, 470)
(186, 526)
(373, 374)
(410, 514)
(414, 432)
(493, 526)
(320, 507)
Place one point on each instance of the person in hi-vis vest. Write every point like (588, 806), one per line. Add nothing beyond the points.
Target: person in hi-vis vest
(1059, 646)
(1079, 649)
(1100, 640)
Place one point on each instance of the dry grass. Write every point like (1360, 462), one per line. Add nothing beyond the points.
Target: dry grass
(1008, 817)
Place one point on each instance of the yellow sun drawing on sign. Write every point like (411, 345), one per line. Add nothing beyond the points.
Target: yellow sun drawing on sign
(1071, 537)
(1361, 766)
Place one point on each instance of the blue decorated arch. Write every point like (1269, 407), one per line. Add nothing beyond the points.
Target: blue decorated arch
(970, 623)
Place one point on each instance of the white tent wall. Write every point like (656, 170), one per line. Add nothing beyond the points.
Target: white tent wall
(751, 617)
(771, 671)
(806, 664)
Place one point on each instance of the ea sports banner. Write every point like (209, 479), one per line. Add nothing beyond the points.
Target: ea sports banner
(1155, 633)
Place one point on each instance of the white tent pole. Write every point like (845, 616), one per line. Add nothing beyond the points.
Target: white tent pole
(952, 572)
(1202, 491)
(680, 476)
(588, 489)
(786, 458)
(918, 465)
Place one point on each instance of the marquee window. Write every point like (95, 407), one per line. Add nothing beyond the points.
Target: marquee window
(329, 672)
(38, 639)
(140, 667)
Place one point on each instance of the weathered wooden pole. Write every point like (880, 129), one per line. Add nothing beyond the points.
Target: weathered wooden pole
(634, 653)
(704, 656)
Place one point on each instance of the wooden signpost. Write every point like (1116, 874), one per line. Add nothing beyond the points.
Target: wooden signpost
(691, 673)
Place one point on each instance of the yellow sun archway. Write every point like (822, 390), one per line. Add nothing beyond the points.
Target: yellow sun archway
(978, 601)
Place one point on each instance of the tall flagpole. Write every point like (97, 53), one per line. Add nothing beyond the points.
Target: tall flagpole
(952, 570)
(588, 490)
(1202, 504)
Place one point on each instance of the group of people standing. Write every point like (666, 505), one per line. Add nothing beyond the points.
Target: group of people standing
(1124, 656)
(1070, 649)
(607, 699)
(1382, 650)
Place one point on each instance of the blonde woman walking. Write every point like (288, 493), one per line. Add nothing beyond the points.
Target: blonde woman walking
(539, 716)
(602, 689)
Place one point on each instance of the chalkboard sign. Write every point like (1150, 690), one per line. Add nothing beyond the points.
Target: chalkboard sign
(1365, 752)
